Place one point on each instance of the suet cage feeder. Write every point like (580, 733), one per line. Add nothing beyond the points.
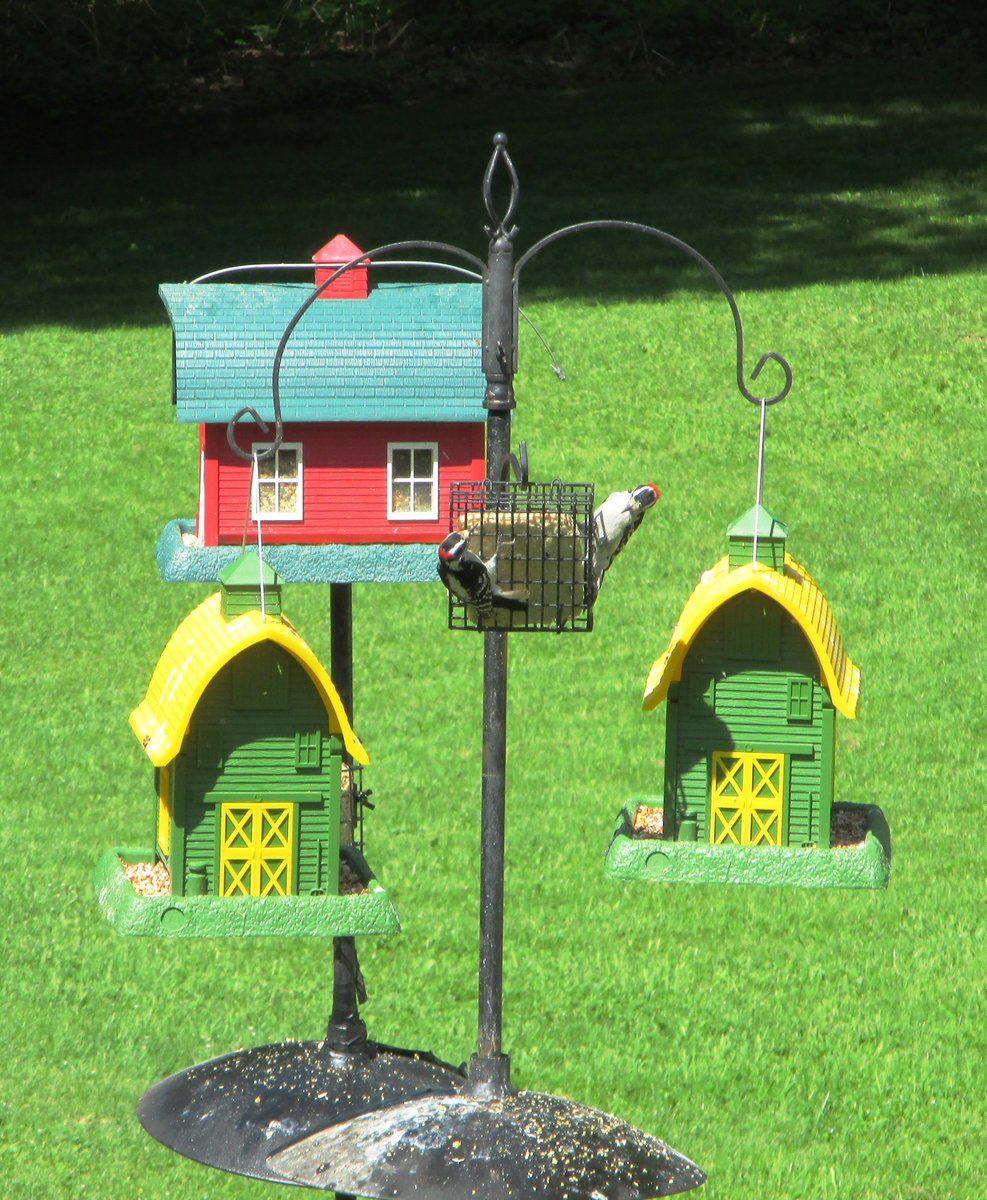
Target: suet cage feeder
(539, 535)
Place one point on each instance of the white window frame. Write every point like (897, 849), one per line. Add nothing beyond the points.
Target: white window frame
(298, 480)
(433, 512)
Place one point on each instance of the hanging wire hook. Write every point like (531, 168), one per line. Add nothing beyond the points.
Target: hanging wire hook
(262, 425)
(518, 463)
(651, 231)
(556, 366)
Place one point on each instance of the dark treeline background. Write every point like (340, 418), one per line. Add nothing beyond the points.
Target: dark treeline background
(61, 58)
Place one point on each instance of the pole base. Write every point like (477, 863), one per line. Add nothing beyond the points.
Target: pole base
(489, 1076)
(446, 1147)
(234, 1112)
(394, 1124)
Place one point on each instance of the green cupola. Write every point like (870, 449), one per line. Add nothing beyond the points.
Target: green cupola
(250, 584)
(759, 526)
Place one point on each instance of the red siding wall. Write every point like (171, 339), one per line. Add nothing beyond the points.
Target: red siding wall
(345, 483)
(208, 490)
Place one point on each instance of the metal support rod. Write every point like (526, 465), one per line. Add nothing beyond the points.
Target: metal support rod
(347, 1030)
(759, 489)
(489, 1071)
(492, 844)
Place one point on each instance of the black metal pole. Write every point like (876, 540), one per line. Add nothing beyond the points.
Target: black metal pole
(346, 1031)
(492, 850)
(489, 1072)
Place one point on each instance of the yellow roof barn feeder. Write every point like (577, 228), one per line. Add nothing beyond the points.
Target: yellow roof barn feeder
(753, 678)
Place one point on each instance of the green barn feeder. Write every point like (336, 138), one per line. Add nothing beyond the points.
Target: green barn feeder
(753, 680)
(257, 823)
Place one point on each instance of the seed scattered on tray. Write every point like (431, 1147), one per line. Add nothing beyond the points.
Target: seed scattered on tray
(153, 879)
(648, 822)
(148, 879)
(848, 830)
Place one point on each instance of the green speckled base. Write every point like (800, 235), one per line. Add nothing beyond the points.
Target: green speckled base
(655, 860)
(378, 563)
(239, 916)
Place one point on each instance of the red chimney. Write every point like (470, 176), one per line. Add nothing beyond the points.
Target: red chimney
(354, 284)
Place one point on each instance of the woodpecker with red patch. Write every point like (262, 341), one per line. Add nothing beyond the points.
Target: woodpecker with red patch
(614, 521)
(474, 581)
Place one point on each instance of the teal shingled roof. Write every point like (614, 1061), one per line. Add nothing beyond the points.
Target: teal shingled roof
(409, 352)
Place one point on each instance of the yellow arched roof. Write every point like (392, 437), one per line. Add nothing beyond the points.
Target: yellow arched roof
(203, 644)
(796, 592)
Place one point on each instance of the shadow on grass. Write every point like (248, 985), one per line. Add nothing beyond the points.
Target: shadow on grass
(780, 180)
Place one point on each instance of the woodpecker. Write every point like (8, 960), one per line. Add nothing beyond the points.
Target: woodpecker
(614, 522)
(474, 581)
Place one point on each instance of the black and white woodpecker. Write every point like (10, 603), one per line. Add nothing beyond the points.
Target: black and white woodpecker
(614, 522)
(474, 580)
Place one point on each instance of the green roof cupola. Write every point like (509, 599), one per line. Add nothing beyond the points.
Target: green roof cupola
(250, 584)
(758, 526)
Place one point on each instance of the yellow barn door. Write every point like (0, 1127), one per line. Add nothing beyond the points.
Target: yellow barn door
(747, 798)
(256, 849)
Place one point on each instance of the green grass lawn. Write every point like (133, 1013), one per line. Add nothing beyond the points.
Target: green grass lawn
(798, 1045)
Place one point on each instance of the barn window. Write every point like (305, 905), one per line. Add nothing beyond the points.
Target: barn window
(412, 481)
(277, 495)
(308, 750)
(800, 700)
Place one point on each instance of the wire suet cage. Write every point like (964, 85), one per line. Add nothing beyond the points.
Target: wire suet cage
(536, 542)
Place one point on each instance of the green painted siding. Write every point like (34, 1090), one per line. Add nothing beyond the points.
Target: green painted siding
(770, 552)
(249, 753)
(771, 537)
(746, 660)
(673, 802)
(179, 822)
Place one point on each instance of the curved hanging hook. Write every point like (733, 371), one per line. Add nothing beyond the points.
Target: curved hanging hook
(303, 308)
(499, 226)
(516, 462)
(262, 425)
(651, 231)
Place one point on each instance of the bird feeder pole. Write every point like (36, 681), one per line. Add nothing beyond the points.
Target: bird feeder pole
(489, 1071)
(347, 1030)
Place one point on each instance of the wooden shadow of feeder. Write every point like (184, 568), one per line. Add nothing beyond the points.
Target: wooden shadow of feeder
(537, 539)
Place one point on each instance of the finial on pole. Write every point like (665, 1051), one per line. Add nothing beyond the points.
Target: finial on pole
(501, 226)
